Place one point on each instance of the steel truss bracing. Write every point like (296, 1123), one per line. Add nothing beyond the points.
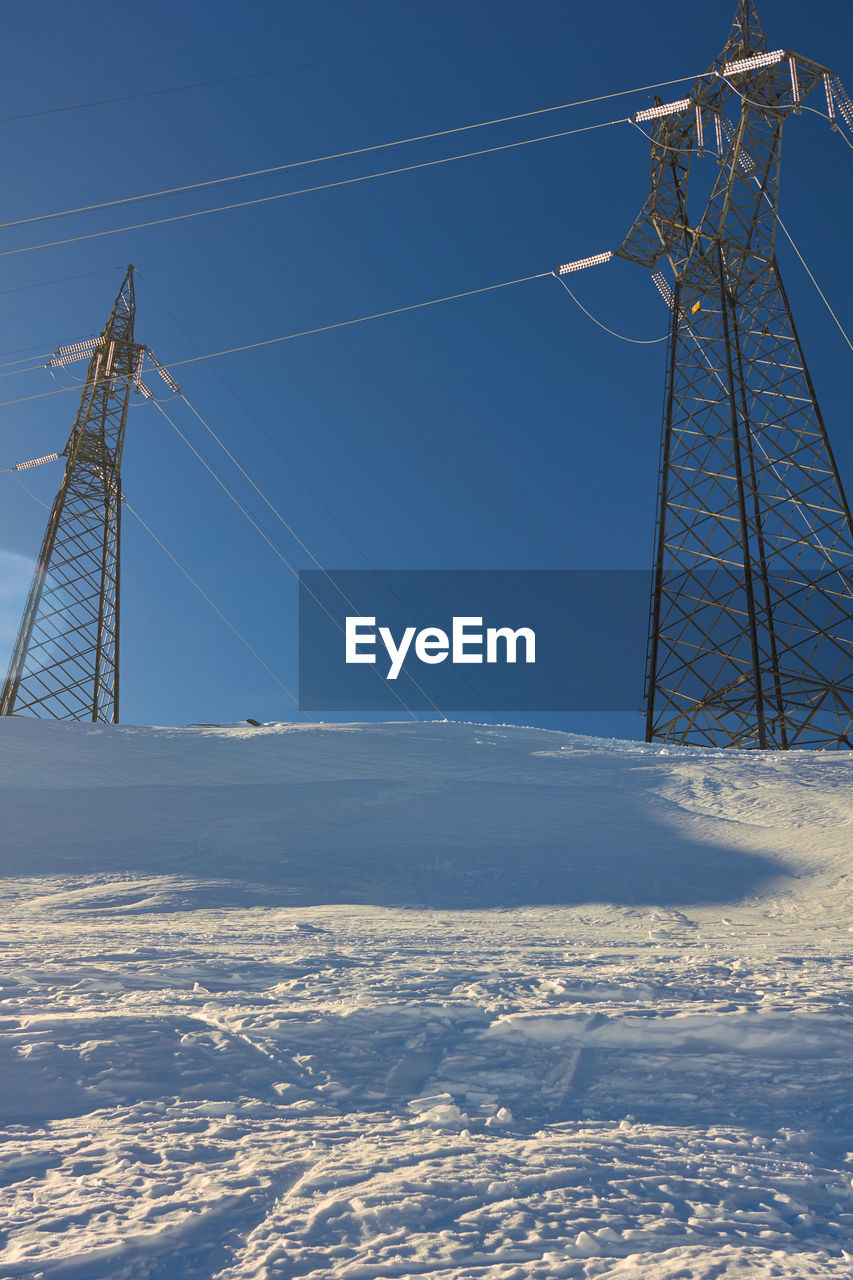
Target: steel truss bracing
(65, 664)
(751, 631)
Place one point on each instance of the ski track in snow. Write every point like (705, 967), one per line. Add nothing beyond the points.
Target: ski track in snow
(442, 1000)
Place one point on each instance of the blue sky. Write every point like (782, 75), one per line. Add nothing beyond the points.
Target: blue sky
(498, 431)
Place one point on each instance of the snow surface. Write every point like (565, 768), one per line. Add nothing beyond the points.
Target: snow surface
(434, 1000)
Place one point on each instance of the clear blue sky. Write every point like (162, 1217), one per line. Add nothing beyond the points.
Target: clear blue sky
(501, 431)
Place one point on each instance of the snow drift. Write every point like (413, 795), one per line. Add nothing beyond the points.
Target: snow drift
(421, 1000)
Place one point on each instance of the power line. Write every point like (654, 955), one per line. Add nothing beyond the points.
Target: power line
(304, 333)
(32, 355)
(42, 284)
(277, 447)
(33, 368)
(211, 471)
(815, 283)
(39, 395)
(277, 550)
(186, 573)
(271, 440)
(244, 473)
(414, 306)
(218, 611)
(342, 155)
(273, 547)
(638, 341)
(28, 490)
(342, 324)
(301, 191)
(255, 75)
(744, 99)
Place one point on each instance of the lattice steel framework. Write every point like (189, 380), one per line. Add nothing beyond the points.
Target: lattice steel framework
(751, 632)
(65, 665)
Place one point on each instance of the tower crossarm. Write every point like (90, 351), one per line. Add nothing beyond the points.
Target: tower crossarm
(663, 226)
(734, 113)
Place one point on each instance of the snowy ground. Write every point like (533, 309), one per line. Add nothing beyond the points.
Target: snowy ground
(427, 1000)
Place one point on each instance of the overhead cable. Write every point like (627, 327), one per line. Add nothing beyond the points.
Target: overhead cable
(376, 315)
(274, 443)
(42, 284)
(28, 490)
(33, 355)
(275, 511)
(787, 234)
(339, 155)
(30, 368)
(272, 545)
(218, 611)
(271, 439)
(305, 333)
(39, 395)
(271, 506)
(612, 332)
(301, 191)
(251, 75)
(823, 296)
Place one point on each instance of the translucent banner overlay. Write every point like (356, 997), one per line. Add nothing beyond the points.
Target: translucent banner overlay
(578, 638)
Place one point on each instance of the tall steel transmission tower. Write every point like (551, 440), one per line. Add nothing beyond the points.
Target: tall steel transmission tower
(65, 665)
(751, 630)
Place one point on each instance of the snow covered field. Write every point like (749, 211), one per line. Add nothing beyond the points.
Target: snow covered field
(421, 1000)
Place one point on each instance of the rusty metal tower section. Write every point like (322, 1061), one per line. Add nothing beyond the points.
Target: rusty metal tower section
(65, 665)
(751, 631)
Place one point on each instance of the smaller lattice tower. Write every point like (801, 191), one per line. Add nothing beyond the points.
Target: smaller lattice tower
(65, 662)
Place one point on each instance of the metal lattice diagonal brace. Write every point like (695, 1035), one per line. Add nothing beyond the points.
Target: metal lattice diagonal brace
(65, 664)
(751, 621)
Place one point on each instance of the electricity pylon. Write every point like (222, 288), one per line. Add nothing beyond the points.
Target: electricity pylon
(65, 661)
(751, 627)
